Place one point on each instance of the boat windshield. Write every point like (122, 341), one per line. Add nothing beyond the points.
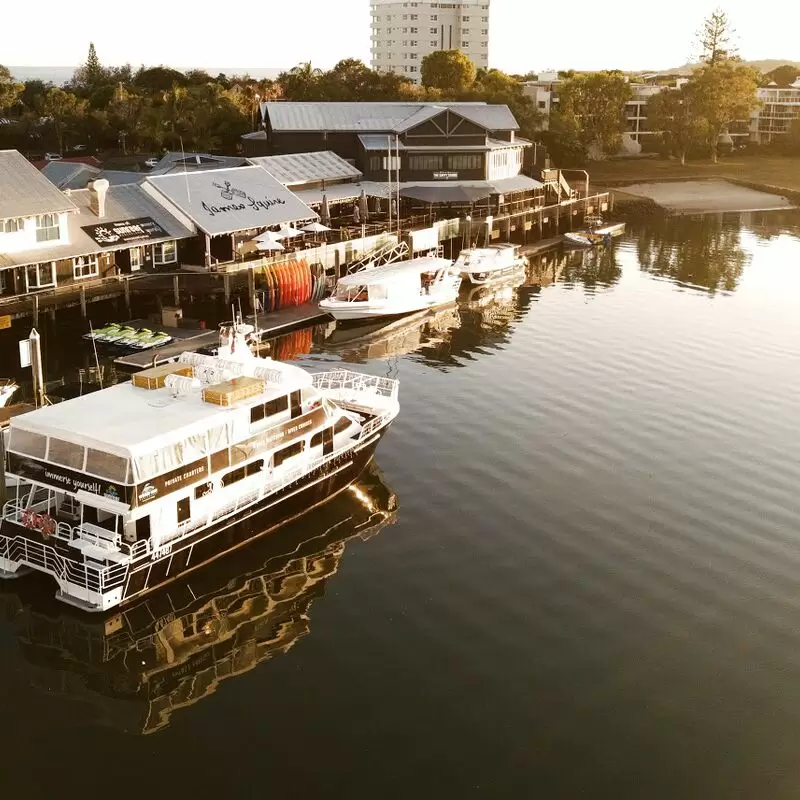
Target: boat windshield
(352, 294)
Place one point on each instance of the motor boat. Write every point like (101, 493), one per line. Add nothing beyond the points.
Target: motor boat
(493, 264)
(393, 290)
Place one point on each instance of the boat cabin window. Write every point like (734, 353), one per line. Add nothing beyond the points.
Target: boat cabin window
(297, 406)
(269, 409)
(288, 452)
(324, 438)
(352, 294)
(171, 456)
(27, 443)
(203, 489)
(68, 454)
(236, 475)
(107, 465)
(342, 424)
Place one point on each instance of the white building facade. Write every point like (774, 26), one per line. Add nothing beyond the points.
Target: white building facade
(403, 33)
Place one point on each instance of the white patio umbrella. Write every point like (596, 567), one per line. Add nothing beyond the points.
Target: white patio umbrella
(267, 236)
(315, 227)
(267, 246)
(362, 206)
(287, 232)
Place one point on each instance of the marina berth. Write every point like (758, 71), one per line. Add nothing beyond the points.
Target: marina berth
(394, 289)
(124, 489)
(496, 263)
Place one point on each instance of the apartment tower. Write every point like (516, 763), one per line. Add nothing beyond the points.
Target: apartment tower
(403, 33)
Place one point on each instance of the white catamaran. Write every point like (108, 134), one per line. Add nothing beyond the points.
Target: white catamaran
(394, 289)
(119, 491)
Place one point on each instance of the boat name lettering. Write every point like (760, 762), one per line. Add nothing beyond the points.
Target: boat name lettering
(66, 479)
(170, 481)
(190, 473)
(162, 551)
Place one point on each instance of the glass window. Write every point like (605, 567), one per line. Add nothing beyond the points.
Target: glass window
(342, 424)
(47, 228)
(234, 476)
(288, 452)
(165, 253)
(68, 454)
(27, 443)
(38, 276)
(107, 465)
(425, 162)
(136, 258)
(85, 267)
(466, 161)
(12, 225)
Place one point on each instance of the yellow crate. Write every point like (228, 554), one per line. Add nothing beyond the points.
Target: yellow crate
(153, 378)
(233, 391)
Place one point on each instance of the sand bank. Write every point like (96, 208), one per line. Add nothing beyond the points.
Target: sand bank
(707, 196)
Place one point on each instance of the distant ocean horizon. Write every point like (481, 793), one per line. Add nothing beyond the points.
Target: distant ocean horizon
(60, 75)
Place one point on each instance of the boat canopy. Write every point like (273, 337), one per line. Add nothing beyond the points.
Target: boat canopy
(394, 272)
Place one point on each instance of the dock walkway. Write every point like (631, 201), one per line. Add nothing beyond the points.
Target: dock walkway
(267, 325)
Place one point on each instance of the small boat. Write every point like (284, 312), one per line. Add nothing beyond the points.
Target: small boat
(393, 290)
(596, 232)
(7, 388)
(99, 333)
(114, 337)
(493, 264)
(154, 339)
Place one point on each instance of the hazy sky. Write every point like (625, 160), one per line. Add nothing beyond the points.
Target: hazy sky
(525, 35)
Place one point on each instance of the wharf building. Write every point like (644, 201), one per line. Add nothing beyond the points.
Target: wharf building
(403, 33)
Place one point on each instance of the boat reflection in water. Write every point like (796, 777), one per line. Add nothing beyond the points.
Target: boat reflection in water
(134, 668)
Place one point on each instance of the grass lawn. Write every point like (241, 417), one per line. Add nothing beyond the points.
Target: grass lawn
(777, 171)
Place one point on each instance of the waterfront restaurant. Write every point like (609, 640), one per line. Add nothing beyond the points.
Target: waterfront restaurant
(68, 241)
(450, 159)
(228, 207)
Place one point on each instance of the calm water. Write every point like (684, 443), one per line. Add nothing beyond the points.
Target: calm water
(574, 572)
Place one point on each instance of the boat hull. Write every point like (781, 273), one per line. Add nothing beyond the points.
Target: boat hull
(495, 276)
(152, 571)
(345, 312)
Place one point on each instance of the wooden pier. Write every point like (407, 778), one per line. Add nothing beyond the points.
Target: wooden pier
(267, 325)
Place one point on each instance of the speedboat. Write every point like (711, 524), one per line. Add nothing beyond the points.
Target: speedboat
(7, 388)
(596, 232)
(393, 290)
(493, 264)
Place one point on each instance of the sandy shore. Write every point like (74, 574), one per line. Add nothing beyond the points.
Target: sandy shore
(706, 197)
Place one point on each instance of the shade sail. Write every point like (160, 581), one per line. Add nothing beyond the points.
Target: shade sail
(446, 194)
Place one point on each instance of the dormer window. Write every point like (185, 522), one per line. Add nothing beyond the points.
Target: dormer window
(47, 228)
(12, 225)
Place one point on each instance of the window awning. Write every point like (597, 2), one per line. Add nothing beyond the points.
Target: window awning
(447, 193)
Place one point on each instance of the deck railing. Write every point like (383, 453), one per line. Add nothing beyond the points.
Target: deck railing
(345, 380)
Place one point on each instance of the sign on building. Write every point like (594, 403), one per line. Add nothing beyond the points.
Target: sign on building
(126, 231)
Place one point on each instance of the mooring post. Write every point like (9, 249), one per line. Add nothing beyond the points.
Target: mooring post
(126, 283)
(226, 282)
(176, 290)
(83, 302)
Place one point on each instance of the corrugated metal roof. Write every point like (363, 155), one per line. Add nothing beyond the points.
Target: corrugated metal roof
(343, 192)
(378, 117)
(122, 202)
(223, 201)
(24, 191)
(379, 141)
(177, 160)
(300, 168)
(68, 174)
(121, 177)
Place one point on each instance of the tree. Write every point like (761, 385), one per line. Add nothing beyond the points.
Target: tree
(496, 87)
(785, 75)
(715, 37)
(724, 92)
(90, 76)
(159, 79)
(301, 82)
(596, 102)
(33, 93)
(10, 90)
(64, 110)
(677, 114)
(448, 70)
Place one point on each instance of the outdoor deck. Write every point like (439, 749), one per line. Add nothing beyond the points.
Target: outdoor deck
(267, 325)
